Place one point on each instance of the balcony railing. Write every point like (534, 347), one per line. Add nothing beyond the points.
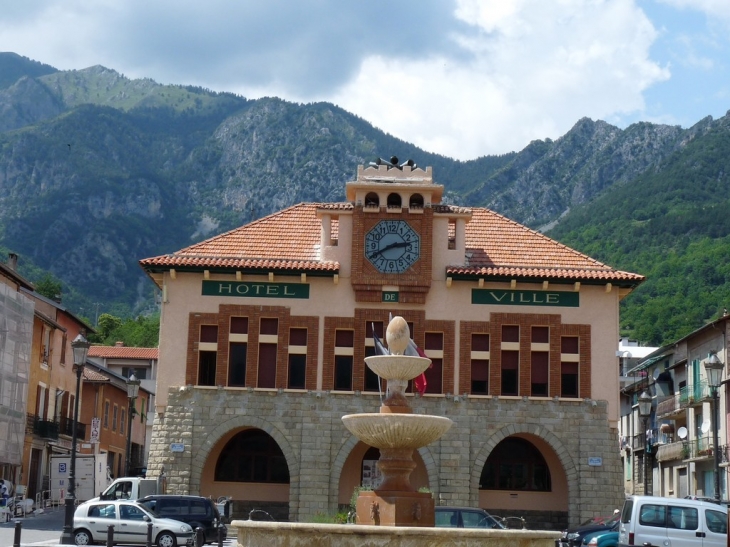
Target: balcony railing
(67, 428)
(699, 448)
(694, 394)
(43, 428)
(672, 451)
(669, 405)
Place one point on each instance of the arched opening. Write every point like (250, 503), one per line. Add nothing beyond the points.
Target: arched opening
(372, 200)
(515, 464)
(249, 466)
(416, 201)
(524, 474)
(360, 470)
(394, 201)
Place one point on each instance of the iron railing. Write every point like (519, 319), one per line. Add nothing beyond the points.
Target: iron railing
(67, 428)
(45, 429)
(694, 394)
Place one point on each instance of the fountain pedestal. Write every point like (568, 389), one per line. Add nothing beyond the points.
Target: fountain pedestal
(397, 432)
(395, 508)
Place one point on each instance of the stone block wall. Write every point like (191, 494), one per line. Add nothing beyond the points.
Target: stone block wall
(307, 427)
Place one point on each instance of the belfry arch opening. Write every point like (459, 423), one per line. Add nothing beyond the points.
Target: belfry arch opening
(394, 201)
(372, 200)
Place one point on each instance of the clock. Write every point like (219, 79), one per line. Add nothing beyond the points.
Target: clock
(392, 246)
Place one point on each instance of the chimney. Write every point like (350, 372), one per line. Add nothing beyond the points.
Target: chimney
(13, 261)
(119, 344)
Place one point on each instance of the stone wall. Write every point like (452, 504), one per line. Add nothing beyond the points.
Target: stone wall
(307, 427)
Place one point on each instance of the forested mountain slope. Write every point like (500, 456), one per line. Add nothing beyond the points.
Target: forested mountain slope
(98, 171)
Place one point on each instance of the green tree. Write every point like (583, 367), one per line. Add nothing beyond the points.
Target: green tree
(106, 325)
(49, 286)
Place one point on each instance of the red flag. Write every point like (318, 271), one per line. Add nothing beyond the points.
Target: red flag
(419, 382)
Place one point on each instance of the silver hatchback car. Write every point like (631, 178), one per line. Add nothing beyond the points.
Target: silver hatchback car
(92, 520)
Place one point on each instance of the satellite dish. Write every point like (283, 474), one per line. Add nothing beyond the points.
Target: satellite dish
(656, 373)
(705, 427)
(682, 432)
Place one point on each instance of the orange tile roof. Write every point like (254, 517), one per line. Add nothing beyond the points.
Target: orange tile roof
(496, 247)
(94, 375)
(286, 240)
(123, 352)
(499, 247)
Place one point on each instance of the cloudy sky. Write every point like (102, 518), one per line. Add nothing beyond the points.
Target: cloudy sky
(463, 78)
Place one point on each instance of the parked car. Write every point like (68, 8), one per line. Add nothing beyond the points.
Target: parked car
(602, 539)
(573, 537)
(670, 521)
(197, 511)
(465, 517)
(92, 520)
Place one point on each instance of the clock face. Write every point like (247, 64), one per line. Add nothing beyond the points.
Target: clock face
(392, 246)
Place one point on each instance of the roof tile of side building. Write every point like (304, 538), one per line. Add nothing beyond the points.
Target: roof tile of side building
(290, 240)
(123, 352)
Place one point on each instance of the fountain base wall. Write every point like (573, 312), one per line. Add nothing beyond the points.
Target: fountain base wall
(395, 508)
(284, 534)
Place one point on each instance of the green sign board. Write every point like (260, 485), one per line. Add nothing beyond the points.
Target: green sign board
(389, 296)
(525, 298)
(255, 289)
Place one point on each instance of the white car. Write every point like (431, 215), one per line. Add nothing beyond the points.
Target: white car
(130, 521)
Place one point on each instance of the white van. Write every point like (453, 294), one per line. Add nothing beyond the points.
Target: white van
(672, 522)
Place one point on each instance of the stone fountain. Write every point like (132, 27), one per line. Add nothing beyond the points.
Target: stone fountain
(394, 514)
(397, 432)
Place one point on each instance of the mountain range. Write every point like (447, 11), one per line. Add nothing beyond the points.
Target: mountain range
(98, 170)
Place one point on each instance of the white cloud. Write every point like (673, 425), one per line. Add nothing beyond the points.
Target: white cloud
(711, 8)
(536, 68)
(465, 79)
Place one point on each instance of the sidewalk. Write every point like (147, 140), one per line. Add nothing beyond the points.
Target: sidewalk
(40, 529)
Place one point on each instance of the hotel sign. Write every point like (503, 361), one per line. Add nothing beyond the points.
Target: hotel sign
(525, 298)
(255, 289)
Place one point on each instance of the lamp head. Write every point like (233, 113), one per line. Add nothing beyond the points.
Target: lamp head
(80, 347)
(644, 405)
(713, 368)
(132, 386)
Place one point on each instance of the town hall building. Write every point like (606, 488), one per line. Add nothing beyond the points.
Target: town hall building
(264, 331)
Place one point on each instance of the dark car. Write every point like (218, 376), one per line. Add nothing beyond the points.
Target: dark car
(573, 537)
(465, 517)
(197, 511)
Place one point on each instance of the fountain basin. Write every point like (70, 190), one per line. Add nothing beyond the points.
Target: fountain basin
(396, 430)
(397, 367)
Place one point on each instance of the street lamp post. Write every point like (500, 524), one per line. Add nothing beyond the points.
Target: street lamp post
(80, 348)
(645, 412)
(714, 368)
(132, 392)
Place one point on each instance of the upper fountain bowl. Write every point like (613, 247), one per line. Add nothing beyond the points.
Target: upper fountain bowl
(397, 367)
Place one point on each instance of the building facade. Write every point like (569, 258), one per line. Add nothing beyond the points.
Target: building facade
(264, 330)
(142, 362)
(671, 452)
